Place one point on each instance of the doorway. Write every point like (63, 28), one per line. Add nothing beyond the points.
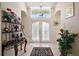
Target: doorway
(40, 32)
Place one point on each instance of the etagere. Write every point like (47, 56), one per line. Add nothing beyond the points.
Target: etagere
(12, 35)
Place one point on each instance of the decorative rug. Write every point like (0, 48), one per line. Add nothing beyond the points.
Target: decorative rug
(41, 51)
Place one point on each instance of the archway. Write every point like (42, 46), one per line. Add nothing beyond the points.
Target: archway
(23, 21)
(57, 18)
(26, 25)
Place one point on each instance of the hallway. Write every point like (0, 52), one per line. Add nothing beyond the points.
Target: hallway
(25, 25)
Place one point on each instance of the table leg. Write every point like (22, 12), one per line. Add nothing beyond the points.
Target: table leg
(21, 46)
(25, 46)
(16, 50)
(2, 50)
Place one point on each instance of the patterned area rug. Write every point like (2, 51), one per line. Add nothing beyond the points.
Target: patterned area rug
(41, 51)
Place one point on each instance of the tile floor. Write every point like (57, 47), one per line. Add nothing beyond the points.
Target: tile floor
(30, 47)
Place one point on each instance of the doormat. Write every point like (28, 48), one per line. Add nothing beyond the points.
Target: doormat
(41, 51)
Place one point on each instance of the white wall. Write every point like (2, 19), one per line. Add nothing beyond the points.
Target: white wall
(72, 23)
(15, 6)
(54, 33)
(26, 22)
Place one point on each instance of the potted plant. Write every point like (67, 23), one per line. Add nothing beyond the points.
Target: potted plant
(8, 15)
(65, 42)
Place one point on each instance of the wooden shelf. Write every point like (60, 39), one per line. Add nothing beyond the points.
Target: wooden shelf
(10, 32)
(12, 43)
(12, 22)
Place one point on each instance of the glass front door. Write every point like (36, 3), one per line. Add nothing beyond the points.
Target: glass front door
(45, 32)
(40, 32)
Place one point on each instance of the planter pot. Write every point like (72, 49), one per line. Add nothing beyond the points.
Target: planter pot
(62, 52)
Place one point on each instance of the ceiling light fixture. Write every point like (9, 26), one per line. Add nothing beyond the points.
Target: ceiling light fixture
(41, 5)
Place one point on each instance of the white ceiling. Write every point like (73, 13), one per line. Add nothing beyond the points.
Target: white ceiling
(44, 4)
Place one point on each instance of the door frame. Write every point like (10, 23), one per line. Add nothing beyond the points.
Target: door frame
(40, 31)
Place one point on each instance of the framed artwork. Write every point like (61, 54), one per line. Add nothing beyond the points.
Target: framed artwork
(69, 11)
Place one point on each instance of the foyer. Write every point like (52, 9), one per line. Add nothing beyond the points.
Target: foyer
(38, 24)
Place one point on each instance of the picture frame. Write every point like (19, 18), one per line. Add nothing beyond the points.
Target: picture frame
(69, 11)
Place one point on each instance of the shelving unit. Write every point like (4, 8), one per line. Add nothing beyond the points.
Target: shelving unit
(12, 35)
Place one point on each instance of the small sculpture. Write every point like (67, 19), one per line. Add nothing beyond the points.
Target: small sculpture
(16, 28)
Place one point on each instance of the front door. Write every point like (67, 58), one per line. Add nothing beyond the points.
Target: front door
(40, 32)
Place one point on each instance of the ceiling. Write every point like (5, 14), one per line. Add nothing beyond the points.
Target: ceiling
(44, 4)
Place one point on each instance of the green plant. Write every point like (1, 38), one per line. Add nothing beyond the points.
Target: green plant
(65, 41)
(8, 15)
